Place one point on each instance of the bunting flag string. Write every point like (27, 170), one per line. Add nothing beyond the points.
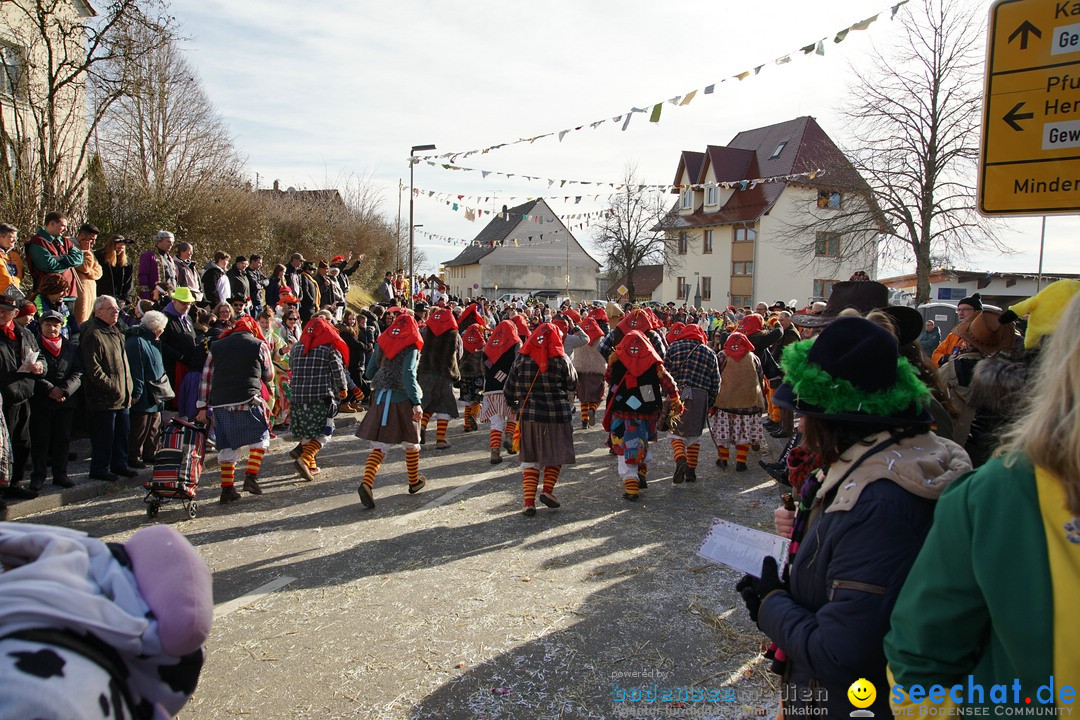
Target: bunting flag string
(748, 183)
(816, 48)
(507, 242)
(575, 199)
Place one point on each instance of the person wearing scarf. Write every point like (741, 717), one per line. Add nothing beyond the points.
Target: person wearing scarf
(52, 407)
(472, 373)
(696, 372)
(393, 417)
(500, 351)
(641, 320)
(590, 366)
(319, 381)
(600, 316)
(868, 475)
(438, 371)
(736, 417)
(638, 382)
(538, 388)
(237, 366)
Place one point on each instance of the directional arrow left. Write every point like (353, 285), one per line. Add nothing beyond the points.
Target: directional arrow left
(1025, 29)
(1012, 116)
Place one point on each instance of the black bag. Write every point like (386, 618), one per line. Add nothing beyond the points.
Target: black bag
(160, 390)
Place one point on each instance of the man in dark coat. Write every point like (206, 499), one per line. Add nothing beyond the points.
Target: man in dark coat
(107, 390)
(257, 282)
(52, 407)
(239, 285)
(18, 371)
(309, 293)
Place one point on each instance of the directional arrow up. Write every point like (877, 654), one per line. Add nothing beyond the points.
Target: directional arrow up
(1012, 116)
(1025, 29)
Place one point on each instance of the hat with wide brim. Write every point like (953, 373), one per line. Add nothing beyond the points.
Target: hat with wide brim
(862, 295)
(12, 298)
(183, 294)
(909, 322)
(852, 372)
(984, 333)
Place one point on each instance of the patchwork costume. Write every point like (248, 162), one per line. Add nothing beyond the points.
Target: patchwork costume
(318, 382)
(472, 374)
(737, 416)
(438, 371)
(590, 366)
(696, 372)
(499, 354)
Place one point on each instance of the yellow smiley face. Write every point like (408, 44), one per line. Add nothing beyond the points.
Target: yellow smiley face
(862, 693)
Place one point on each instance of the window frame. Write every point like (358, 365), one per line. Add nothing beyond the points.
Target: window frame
(680, 288)
(712, 195)
(746, 266)
(707, 242)
(687, 200)
(749, 233)
(706, 287)
(826, 237)
(779, 149)
(830, 200)
(683, 243)
(825, 285)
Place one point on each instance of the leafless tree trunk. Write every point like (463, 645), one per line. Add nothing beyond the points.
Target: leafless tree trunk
(631, 233)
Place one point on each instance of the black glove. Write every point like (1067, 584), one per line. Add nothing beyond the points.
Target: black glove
(754, 590)
(1007, 317)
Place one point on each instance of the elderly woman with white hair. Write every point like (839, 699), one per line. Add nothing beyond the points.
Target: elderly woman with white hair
(150, 388)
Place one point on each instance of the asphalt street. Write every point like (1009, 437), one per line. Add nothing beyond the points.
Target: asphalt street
(451, 604)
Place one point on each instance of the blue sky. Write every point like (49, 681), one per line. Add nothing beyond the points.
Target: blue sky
(326, 93)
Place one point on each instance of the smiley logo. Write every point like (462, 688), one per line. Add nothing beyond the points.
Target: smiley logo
(862, 693)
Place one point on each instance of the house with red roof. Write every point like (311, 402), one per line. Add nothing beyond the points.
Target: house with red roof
(757, 219)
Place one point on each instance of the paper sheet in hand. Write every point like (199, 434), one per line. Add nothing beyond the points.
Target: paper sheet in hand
(741, 547)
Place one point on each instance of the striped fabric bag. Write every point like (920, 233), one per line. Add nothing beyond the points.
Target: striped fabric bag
(178, 462)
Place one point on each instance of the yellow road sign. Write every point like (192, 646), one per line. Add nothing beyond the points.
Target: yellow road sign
(1029, 162)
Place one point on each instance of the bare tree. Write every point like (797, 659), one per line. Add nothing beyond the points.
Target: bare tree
(915, 128)
(631, 233)
(47, 127)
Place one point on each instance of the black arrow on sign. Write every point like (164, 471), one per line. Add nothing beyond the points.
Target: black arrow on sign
(1023, 31)
(1012, 116)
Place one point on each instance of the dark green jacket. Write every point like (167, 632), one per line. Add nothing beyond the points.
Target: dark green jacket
(106, 372)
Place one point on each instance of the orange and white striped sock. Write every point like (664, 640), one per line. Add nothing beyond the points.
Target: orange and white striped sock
(530, 478)
(228, 472)
(255, 458)
(476, 412)
(678, 448)
(424, 420)
(692, 455)
(371, 467)
(551, 476)
(440, 429)
(511, 427)
(722, 452)
(468, 414)
(496, 439)
(630, 484)
(584, 412)
(741, 452)
(307, 455)
(412, 464)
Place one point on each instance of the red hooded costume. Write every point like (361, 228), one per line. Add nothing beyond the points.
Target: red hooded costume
(544, 344)
(402, 333)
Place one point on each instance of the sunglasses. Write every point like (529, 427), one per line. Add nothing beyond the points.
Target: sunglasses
(292, 317)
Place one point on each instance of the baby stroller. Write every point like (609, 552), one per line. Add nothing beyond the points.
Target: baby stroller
(178, 465)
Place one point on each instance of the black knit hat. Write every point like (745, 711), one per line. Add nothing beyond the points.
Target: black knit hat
(975, 301)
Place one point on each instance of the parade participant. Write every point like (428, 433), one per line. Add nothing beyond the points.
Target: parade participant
(600, 316)
(437, 372)
(538, 389)
(738, 405)
(318, 381)
(236, 367)
(637, 382)
(116, 273)
(11, 266)
(349, 330)
(500, 351)
(640, 320)
(696, 372)
(157, 268)
(866, 502)
(394, 414)
(52, 407)
(49, 251)
(472, 374)
(107, 391)
(590, 366)
(279, 353)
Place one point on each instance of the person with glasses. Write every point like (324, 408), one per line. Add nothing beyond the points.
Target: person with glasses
(107, 390)
(290, 327)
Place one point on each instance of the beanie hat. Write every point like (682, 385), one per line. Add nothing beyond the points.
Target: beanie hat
(974, 300)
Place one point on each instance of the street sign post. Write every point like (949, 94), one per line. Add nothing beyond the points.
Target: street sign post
(1029, 160)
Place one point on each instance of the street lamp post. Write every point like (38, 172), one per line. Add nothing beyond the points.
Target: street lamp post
(412, 162)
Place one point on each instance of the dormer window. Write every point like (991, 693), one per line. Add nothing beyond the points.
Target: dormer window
(712, 195)
(687, 199)
(779, 149)
(829, 199)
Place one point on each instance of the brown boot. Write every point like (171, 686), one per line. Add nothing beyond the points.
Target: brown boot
(496, 456)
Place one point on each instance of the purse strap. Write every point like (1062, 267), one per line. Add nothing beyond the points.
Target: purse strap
(527, 394)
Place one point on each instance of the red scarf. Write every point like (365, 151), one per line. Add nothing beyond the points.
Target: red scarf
(592, 329)
(245, 323)
(691, 331)
(638, 320)
(8, 330)
(562, 323)
(522, 326)
(471, 311)
(52, 344)
(441, 320)
(473, 338)
(402, 333)
(504, 338)
(544, 344)
(573, 315)
(674, 331)
(737, 345)
(599, 315)
(752, 323)
(637, 355)
(319, 332)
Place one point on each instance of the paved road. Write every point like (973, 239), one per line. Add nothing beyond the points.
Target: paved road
(451, 604)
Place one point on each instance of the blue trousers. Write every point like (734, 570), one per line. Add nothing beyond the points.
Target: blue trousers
(109, 433)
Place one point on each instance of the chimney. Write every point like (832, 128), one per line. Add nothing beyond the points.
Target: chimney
(277, 187)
